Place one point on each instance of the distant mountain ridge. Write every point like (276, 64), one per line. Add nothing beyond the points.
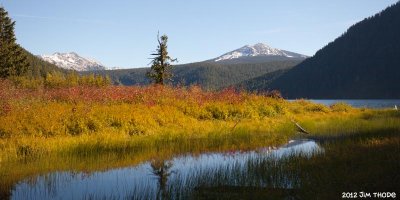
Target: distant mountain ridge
(254, 61)
(208, 75)
(259, 52)
(73, 61)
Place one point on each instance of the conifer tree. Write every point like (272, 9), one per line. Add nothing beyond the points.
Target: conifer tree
(161, 67)
(13, 61)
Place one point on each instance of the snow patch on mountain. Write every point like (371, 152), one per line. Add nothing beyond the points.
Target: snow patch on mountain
(73, 61)
(258, 49)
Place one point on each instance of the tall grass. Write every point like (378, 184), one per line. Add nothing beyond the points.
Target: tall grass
(85, 122)
(87, 119)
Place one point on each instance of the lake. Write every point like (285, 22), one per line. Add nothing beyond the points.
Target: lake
(361, 103)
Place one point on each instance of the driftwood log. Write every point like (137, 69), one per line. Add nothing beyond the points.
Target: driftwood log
(299, 128)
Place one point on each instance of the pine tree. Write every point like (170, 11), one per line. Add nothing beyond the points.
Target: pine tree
(13, 61)
(160, 71)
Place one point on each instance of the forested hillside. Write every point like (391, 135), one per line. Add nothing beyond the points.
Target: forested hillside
(209, 75)
(362, 63)
(39, 67)
(262, 81)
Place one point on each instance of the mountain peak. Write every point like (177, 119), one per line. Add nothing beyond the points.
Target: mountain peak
(73, 61)
(261, 45)
(259, 49)
(73, 53)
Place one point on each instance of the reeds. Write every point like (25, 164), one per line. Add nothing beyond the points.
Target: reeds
(87, 121)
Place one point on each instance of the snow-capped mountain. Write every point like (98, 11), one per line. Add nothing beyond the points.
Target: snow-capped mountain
(257, 50)
(73, 61)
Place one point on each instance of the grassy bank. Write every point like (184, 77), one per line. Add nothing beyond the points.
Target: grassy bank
(86, 128)
(90, 120)
(84, 120)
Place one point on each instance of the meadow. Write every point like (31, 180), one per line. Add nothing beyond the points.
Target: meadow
(84, 120)
(91, 128)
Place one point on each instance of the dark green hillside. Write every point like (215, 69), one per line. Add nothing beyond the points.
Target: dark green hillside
(217, 76)
(134, 76)
(207, 74)
(362, 63)
(261, 81)
(39, 67)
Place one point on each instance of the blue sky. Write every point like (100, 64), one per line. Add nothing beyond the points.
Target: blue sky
(122, 33)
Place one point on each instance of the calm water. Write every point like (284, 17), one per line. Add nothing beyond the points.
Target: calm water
(159, 178)
(362, 103)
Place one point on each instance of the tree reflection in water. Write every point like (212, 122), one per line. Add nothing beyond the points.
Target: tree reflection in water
(161, 170)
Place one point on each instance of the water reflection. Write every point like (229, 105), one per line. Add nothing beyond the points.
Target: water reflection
(161, 169)
(177, 178)
(361, 103)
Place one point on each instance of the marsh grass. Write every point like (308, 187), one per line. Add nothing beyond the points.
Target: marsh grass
(86, 120)
(354, 163)
(88, 156)
(86, 128)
